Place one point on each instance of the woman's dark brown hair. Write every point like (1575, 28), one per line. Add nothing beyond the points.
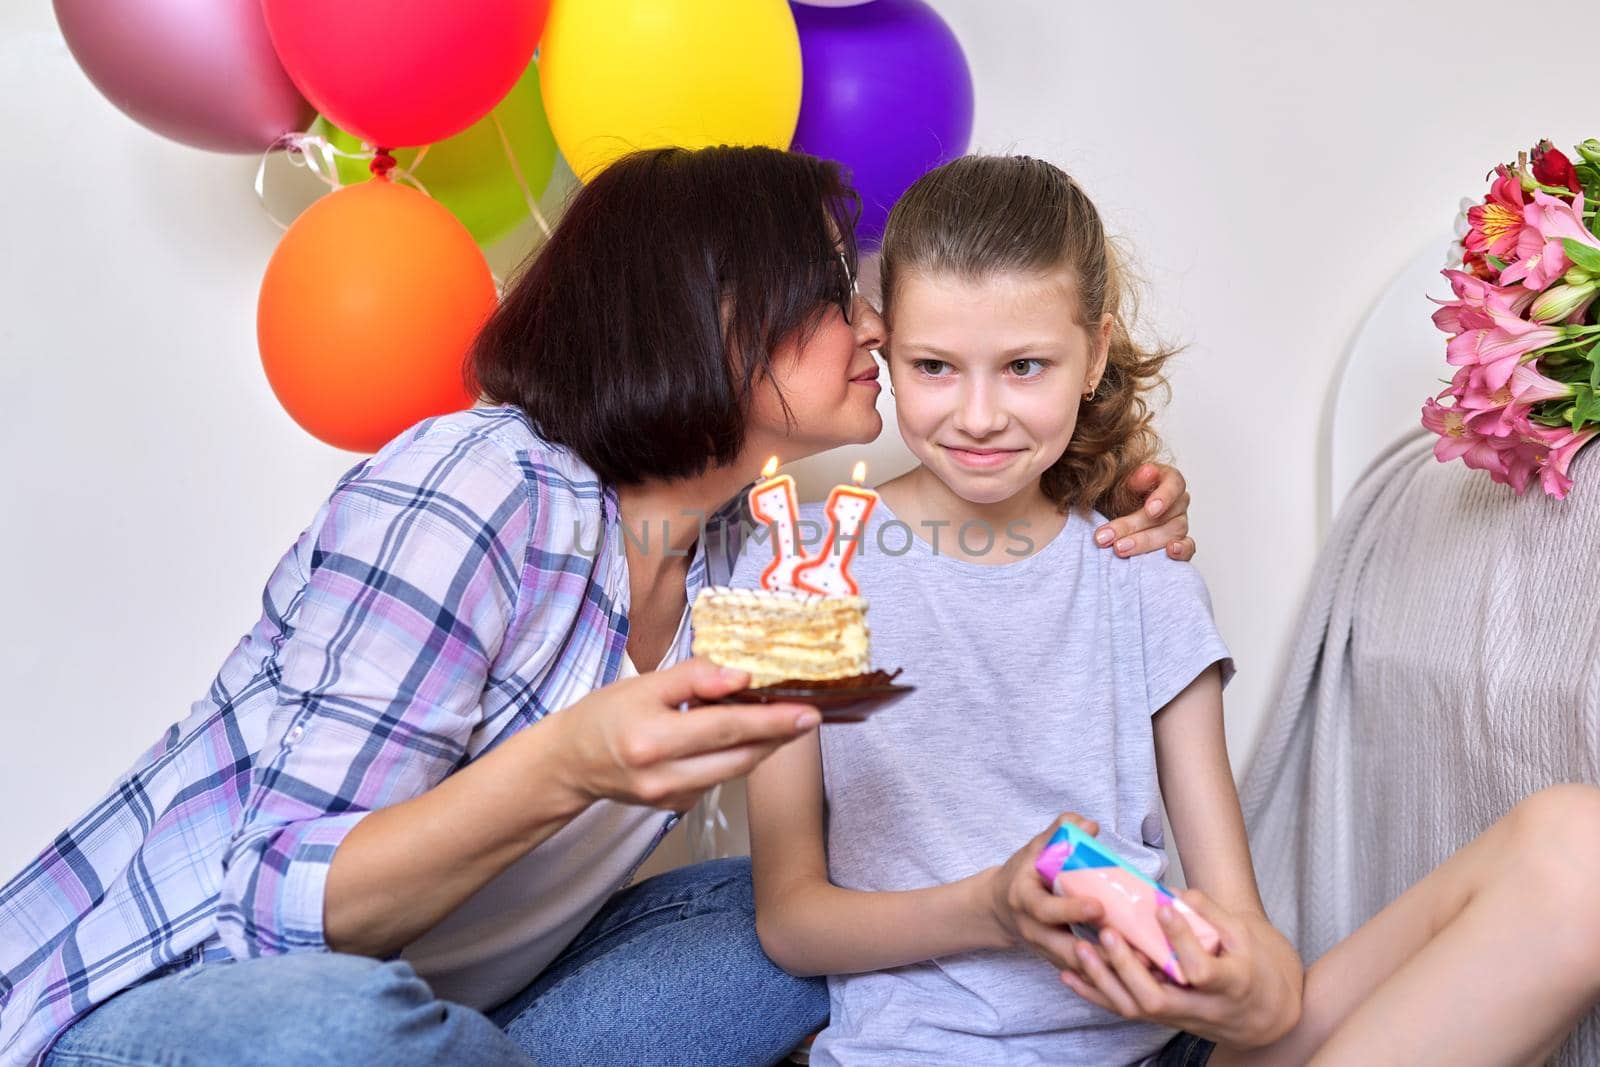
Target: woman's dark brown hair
(636, 334)
(983, 215)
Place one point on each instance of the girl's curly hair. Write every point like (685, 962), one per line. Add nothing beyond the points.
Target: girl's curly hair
(978, 216)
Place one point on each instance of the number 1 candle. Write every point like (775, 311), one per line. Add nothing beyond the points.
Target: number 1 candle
(773, 503)
(828, 573)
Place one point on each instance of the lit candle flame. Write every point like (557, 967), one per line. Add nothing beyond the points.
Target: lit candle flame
(859, 474)
(771, 468)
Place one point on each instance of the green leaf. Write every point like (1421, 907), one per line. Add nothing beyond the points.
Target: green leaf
(1583, 255)
(1582, 400)
(1549, 415)
(1496, 262)
(1585, 407)
(1584, 416)
(1593, 356)
(1588, 177)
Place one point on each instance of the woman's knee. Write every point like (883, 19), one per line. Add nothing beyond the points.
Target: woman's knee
(334, 1004)
(353, 1007)
(304, 1008)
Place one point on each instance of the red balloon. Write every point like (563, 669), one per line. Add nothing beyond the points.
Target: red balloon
(405, 72)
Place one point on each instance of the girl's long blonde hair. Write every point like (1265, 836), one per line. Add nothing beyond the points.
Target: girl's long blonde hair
(979, 216)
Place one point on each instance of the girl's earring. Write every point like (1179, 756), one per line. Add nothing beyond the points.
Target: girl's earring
(1089, 394)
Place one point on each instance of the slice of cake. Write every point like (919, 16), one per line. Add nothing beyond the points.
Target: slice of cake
(781, 636)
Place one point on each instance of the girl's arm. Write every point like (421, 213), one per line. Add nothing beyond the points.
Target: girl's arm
(810, 926)
(1249, 995)
(1201, 800)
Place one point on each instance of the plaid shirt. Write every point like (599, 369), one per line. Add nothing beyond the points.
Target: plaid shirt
(461, 584)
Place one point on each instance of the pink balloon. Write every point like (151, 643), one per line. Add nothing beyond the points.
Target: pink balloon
(202, 72)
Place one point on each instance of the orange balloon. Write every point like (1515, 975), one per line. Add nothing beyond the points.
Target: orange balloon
(367, 310)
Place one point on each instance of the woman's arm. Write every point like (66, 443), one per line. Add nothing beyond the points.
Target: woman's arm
(412, 582)
(1160, 523)
(405, 867)
(367, 818)
(810, 926)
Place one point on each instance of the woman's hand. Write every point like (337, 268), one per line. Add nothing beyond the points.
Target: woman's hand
(1245, 997)
(1163, 521)
(1027, 913)
(629, 742)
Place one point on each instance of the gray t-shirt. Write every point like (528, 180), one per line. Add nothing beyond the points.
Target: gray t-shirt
(1036, 682)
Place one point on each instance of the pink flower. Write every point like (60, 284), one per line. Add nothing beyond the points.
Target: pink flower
(1528, 386)
(1521, 463)
(1473, 297)
(1553, 469)
(1475, 290)
(1540, 257)
(1502, 412)
(1493, 226)
(1545, 451)
(1498, 348)
(1518, 297)
(1548, 451)
(1458, 316)
(1458, 440)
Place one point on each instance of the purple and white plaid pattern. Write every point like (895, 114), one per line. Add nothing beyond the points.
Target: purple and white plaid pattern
(461, 584)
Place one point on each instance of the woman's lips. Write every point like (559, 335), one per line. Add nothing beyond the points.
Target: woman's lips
(868, 377)
(982, 458)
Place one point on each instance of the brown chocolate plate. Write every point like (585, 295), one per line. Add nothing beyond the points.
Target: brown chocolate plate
(840, 700)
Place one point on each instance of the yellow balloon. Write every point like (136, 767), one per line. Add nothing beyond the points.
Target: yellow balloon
(620, 75)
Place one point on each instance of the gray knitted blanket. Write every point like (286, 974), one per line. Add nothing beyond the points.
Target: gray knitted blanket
(1447, 664)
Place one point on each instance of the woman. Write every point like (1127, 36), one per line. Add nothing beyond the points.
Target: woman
(375, 788)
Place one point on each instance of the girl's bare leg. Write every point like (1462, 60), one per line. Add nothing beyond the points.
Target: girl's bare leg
(1491, 959)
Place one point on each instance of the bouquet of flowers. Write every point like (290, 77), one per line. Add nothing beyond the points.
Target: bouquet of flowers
(1523, 332)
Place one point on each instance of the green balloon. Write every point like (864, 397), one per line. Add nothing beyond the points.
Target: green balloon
(469, 173)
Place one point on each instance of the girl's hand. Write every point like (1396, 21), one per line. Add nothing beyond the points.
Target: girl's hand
(1026, 912)
(1245, 997)
(1163, 521)
(629, 742)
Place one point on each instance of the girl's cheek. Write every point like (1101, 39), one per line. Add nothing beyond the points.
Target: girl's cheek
(1051, 413)
(919, 415)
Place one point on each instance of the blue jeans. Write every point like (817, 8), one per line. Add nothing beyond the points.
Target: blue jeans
(668, 972)
(1185, 1050)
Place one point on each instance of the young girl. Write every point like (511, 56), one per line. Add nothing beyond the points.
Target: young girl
(1053, 678)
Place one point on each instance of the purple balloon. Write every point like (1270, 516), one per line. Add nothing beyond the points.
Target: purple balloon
(202, 72)
(886, 92)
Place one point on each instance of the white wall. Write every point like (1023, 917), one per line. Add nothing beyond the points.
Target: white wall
(1273, 164)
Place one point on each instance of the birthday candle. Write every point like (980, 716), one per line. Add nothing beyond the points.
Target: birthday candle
(828, 572)
(773, 503)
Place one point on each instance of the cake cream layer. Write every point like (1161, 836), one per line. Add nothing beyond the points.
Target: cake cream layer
(777, 636)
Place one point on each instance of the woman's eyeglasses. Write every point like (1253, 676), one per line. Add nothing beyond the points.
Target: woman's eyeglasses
(844, 288)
